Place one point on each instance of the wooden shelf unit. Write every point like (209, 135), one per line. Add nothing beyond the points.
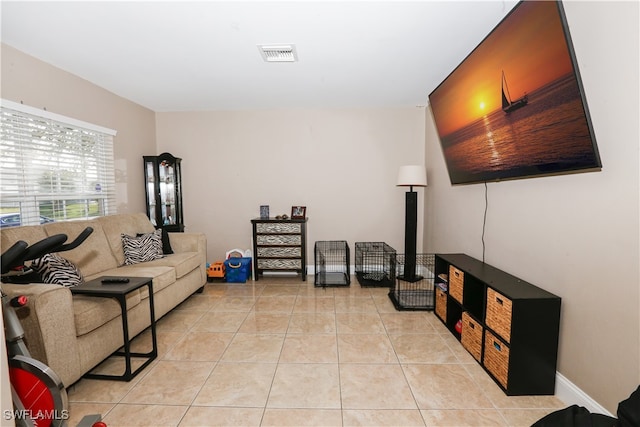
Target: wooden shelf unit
(511, 327)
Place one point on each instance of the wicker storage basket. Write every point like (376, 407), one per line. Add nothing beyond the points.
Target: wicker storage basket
(498, 315)
(471, 337)
(456, 283)
(441, 304)
(496, 357)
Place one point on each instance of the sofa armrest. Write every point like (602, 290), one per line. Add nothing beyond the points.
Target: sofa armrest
(192, 242)
(50, 331)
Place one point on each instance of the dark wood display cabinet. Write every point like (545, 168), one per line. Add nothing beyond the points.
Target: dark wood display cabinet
(163, 186)
(279, 245)
(509, 326)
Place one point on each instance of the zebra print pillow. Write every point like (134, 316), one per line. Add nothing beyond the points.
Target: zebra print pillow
(143, 248)
(54, 269)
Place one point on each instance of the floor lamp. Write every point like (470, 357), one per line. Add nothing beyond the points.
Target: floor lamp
(411, 176)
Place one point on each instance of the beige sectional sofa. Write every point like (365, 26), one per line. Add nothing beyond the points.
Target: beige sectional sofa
(72, 333)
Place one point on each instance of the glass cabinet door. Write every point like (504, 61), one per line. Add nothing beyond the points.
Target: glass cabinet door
(164, 193)
(151, 180)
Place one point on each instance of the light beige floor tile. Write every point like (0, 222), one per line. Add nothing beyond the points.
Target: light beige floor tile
(220, 321)
(237, 384)
(145, 415)
(405, 323)
(102, 391)
(216, 288)
(524, 417)
(458, 350)
(342, 291)
(302, 417)
(170, 383)
(463, 418)
(367, 386)
(254, 348)
(383, 417)
(280, 290)
(281, 304)
(235, 303)
(198, 302)
(309, 348)
(359, 323)
(365, 348)
(165, 341)
(199, 416)
(355, 304)
(178, 321)
(305, 386)
(267, 323)
(384, 304)
(310, 290)
(312, 323)
(249, 289)
(445, 387)
(416, 348)
(200, 346)
(313, 304)
(78, 410)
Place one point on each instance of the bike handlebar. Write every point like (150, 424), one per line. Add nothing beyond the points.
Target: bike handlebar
(20, 252)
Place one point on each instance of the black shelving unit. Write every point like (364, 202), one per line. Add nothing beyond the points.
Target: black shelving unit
(514, 325)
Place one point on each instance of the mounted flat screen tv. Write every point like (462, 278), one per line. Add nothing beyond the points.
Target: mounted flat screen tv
(515, 107)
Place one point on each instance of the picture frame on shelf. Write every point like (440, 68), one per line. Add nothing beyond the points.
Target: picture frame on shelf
(298, 212)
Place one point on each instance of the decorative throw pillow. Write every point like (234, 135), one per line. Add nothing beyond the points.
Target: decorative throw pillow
(52, 268)
(142, 248)
(166, 244)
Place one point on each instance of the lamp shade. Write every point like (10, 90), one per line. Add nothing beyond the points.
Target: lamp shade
(412, 176)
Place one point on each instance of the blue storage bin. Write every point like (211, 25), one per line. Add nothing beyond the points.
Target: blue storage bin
(237, 270)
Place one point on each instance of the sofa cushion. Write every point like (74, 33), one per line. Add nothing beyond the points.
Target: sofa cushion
(94, 254)
(131, 224)
(162, 276)
(90, 313)
(146, 247)
(56, 270)
(183, 262)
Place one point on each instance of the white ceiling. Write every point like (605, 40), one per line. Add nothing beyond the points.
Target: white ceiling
(202, 55)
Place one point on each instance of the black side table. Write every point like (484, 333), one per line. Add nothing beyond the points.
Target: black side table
(119, 291)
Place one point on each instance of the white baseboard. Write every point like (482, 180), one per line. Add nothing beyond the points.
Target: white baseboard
(571, 394)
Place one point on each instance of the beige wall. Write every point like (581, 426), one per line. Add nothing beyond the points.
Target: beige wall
(341, 164)
(37, 84)
(575, 235)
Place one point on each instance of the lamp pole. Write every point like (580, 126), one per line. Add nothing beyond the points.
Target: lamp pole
(410, 176)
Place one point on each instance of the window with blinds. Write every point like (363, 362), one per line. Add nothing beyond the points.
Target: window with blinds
(53, 168)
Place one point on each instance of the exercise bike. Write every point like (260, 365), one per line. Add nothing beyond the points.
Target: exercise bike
(39, 397)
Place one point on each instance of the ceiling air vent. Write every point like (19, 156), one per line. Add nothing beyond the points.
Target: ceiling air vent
(278, 53)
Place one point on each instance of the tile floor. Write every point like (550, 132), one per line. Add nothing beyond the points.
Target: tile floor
(281, 352)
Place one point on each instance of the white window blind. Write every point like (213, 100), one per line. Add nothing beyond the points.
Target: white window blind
(53, 168)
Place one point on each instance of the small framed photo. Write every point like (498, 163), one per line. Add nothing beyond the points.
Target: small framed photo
(298, 212)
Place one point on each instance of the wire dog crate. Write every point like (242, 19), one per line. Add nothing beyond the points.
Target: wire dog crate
(375, 264)
(332, 263)
(418, 295)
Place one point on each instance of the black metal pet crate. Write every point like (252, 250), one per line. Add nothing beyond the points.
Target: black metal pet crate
(418, 294)
(332, 263)
(375, 264)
